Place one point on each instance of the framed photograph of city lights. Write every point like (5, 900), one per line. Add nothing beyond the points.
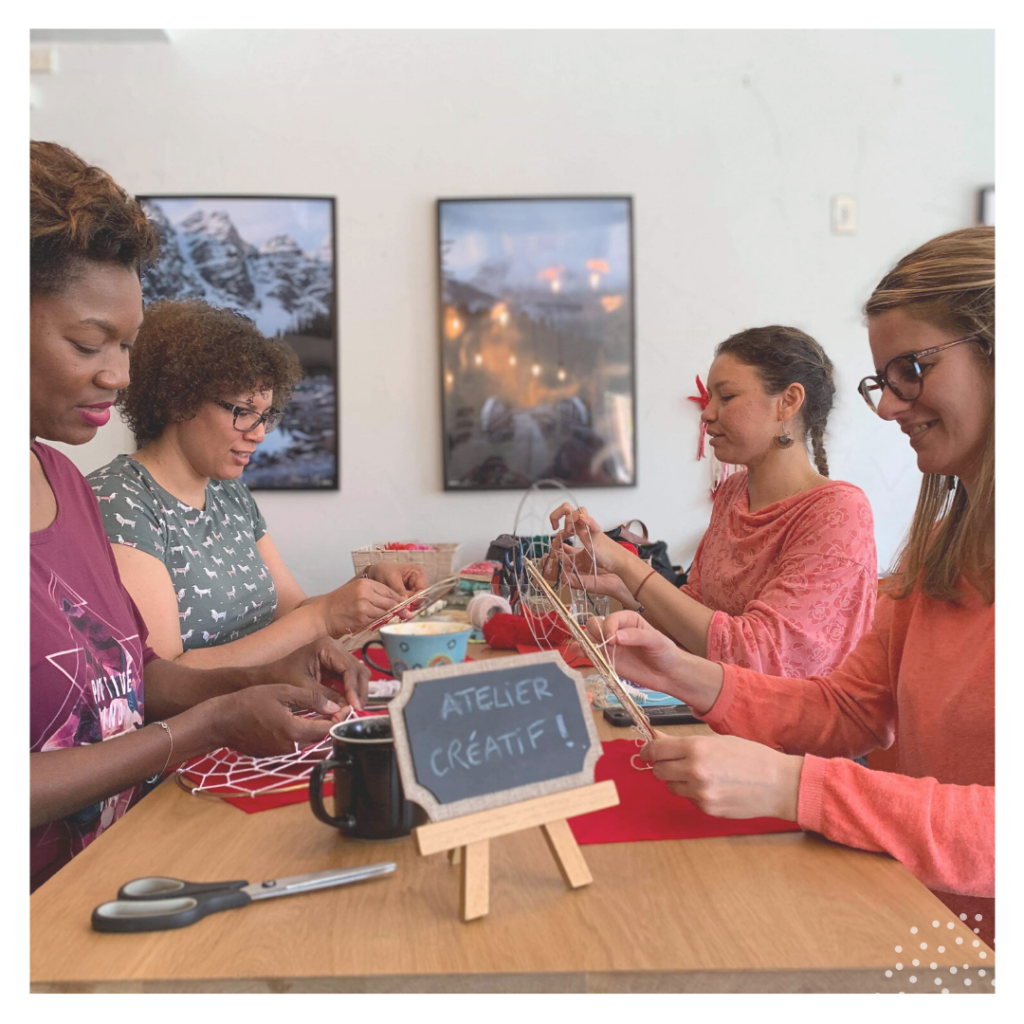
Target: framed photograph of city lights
(537, 342)
(271, 258)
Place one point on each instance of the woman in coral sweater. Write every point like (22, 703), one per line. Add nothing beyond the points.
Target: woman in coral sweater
(924, 674)
(784, 580)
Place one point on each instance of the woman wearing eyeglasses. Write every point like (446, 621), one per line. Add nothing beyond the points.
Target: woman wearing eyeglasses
(190, 542)
(923, 676)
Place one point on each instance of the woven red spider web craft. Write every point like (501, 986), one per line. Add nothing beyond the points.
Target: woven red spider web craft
(227, 773)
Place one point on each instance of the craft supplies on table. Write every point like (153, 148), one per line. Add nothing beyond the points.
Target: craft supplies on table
(158, 903)
(437, 560)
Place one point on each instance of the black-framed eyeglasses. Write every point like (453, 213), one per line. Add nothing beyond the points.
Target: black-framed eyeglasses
(246, 420)
(903, 375)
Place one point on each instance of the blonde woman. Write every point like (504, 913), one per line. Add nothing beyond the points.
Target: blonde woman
(923, 676)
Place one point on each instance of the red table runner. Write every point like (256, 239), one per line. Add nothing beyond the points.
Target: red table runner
(647, 809)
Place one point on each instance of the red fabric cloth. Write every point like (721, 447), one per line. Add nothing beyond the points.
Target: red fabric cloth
(573, 661)
(647, 809)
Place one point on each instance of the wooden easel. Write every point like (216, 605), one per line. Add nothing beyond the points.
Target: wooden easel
(468, 839)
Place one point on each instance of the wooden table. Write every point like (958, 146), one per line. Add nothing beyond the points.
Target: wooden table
(788, 912)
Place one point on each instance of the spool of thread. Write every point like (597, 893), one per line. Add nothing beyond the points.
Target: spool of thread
(482, 606)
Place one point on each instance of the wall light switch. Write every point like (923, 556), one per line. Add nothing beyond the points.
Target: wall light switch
(844, 215)
(42, 62)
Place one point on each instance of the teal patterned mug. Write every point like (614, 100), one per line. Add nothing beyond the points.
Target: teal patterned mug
(410, 645)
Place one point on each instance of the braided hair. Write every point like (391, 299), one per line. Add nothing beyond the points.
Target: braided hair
(783, 356)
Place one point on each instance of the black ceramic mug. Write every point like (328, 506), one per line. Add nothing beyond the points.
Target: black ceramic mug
(369, 802)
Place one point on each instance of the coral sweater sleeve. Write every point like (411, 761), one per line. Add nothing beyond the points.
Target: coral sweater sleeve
(929, 668)
(792, 621)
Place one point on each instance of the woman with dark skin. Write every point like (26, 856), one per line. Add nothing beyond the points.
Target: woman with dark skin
(92, 678)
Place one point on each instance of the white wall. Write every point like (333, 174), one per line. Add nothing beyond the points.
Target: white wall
(732, 144)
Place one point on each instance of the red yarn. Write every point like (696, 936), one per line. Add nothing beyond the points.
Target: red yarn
(506, 632)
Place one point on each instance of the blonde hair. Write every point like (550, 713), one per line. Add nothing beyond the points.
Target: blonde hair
(948, 282)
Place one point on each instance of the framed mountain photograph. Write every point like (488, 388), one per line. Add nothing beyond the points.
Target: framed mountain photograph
(537, 349)
(271, 258)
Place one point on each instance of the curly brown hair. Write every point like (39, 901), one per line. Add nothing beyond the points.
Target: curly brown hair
(79, 213)
(188, 353)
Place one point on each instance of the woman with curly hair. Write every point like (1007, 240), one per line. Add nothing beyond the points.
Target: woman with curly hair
(190, 542)
(107, 714)
(924, 675)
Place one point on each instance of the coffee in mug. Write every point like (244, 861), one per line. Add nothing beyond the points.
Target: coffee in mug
(369, 802)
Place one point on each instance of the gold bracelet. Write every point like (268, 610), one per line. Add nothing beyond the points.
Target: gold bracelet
(167, 729)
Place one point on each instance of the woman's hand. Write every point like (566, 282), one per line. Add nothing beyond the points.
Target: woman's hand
(355, 605)
(403, 578)
(316, 667)
(599, 552)
(726, 776)
(646, 657)
(259, 721)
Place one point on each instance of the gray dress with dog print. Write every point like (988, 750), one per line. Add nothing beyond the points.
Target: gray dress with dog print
(223, 586)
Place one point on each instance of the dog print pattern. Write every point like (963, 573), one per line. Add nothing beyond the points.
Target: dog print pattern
(206, 551)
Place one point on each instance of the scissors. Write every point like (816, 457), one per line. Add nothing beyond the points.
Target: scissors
(156, 903)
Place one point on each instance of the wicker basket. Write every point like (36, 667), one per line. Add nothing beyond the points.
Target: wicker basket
(437, 564)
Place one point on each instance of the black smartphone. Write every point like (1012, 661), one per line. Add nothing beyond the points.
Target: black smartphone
(668, 714)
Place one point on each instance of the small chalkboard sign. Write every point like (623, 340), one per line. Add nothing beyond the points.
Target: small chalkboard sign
(485, 734)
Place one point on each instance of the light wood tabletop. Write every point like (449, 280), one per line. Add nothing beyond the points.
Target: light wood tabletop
(788, 912)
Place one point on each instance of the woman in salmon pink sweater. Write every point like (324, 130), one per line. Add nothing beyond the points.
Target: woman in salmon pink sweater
(923, 675)
(784, 580)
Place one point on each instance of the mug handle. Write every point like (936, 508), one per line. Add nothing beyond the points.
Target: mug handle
(374, 665)
(344, 821)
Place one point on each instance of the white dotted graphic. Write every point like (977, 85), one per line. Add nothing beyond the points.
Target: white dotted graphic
(933, 965)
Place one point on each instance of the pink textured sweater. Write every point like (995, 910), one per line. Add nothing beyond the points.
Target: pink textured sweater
(925, 675)
(793, 585)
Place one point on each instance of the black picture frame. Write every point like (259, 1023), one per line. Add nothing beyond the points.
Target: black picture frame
(311, 457)
(493, 473)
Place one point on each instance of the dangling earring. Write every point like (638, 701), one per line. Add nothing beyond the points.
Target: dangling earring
(783, 440)
(950, 483)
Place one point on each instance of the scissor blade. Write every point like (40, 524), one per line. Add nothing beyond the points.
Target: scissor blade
(318, 880)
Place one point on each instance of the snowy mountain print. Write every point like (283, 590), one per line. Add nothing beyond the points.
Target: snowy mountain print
(273, 260)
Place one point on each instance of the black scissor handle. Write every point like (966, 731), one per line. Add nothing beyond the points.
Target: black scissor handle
(141, 915)
(159, 887)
